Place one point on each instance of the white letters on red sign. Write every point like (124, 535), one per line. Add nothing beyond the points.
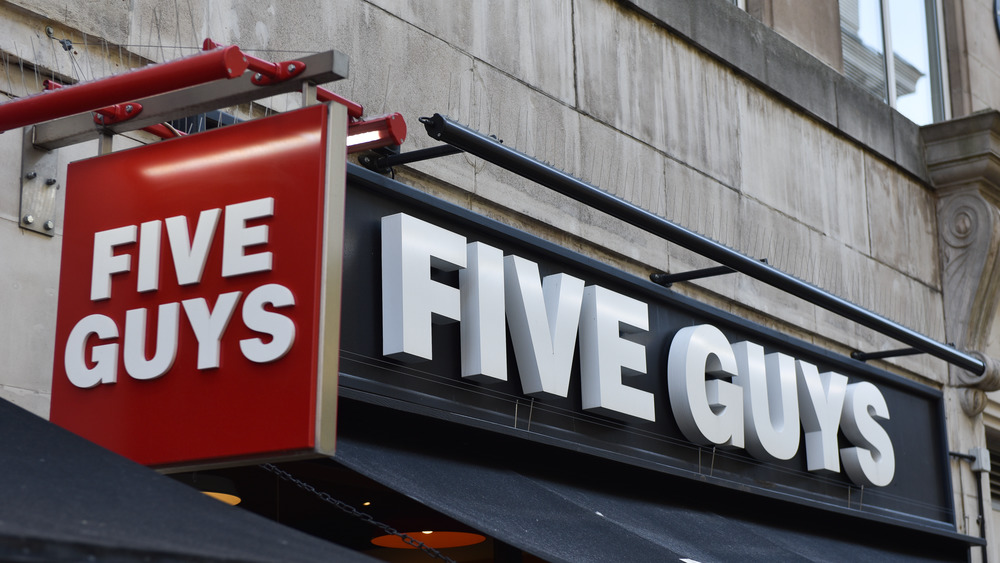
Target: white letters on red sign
(104, 356)
(190, 255)
(106, 262)
(208, 324)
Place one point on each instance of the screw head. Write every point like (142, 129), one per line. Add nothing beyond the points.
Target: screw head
(128, 108)
(29, 219)
(257, 76)
(291, 68)
(50, 181)
(49, 225)
(31, 175)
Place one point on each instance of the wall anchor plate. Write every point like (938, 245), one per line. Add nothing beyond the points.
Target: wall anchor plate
(39, 187)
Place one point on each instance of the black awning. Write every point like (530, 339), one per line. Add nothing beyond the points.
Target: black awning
(63, 498)
(565, 506)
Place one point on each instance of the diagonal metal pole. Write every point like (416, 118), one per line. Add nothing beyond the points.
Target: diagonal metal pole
(487, 148)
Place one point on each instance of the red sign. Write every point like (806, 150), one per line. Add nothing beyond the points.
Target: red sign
(199, 296)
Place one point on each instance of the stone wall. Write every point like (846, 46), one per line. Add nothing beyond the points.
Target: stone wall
(597, 88)
(973, 51)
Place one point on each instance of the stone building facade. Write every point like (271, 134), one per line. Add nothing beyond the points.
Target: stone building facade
(735, 120)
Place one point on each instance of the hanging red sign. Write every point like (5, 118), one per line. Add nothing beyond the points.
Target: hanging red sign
(199, 298)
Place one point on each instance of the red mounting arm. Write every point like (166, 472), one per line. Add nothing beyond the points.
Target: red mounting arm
(375, 133)
(122, 112)
(140, 83)
(268, 72)
(117, 113)
(164, 131)
(354, 110)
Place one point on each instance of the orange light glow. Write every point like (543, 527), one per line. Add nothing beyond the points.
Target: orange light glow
(437, 540)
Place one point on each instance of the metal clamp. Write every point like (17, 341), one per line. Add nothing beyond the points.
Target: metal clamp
(265, 72)
(117, 113)
(382, 164)
(667, 280)
(865, 356)
(269, 73)
(105, 116)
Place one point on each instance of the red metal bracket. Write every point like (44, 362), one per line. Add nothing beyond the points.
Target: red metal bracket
(105, 116)
(269, 73)
(354, 110)
(123, 112)
(265, 72)
(275, 72)
(376, 132)
(117, 113)
(164, 131)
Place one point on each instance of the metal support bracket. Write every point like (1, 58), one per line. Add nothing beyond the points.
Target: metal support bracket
(978, 458)
(39, 187)
(865, 356)
(117, 113)
(320, 68)
(667, 280)
(382, 164)
(265, 72)
(281, 71)
(105, 116)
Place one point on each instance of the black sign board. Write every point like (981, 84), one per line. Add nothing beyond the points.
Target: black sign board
(918, 495)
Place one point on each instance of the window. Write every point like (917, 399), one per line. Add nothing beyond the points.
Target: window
(910, 30)
(991, 443)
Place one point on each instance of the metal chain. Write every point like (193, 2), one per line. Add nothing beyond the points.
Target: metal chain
(343, 506)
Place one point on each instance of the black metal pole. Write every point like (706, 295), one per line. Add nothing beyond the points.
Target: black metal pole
(477, 144)
(865, 356)
(413, 156)
(666, 280)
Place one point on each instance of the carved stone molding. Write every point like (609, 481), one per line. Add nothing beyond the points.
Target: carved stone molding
(963, 162)
(989, 380)
(963, 152)
(973, 401)
(969, 231)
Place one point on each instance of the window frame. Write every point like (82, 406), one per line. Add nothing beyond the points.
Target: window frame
(937, 59)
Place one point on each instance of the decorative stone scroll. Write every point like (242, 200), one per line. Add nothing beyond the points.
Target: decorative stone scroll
(963, 161)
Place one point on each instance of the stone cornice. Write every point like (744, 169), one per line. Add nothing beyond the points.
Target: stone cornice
(965, 152)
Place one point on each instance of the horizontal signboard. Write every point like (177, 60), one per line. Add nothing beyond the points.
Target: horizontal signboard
(450, 314)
